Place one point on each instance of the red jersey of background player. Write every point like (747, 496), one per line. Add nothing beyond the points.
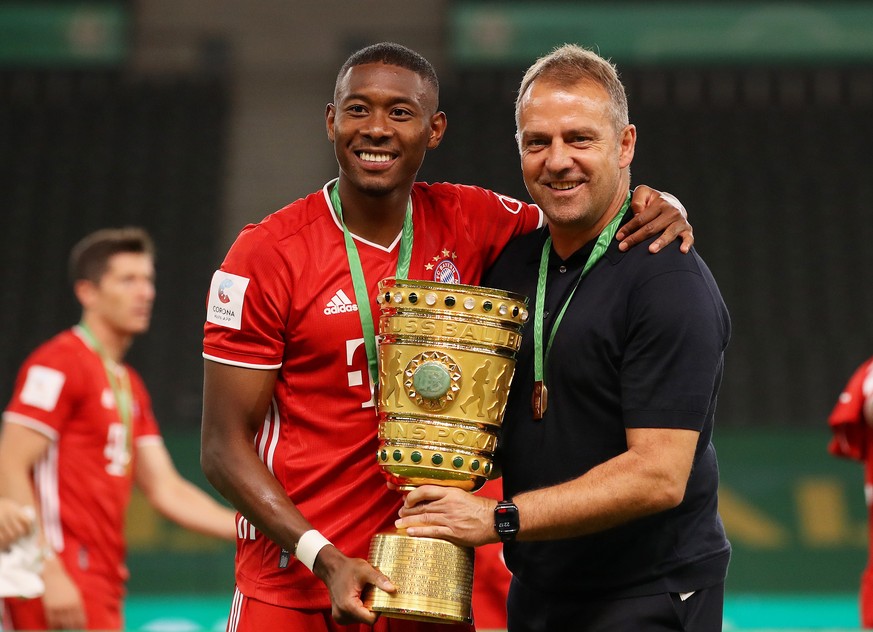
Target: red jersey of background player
(283, 299)
(853, 438)
(83, 484)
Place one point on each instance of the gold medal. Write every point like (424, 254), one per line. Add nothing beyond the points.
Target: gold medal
(540, 399)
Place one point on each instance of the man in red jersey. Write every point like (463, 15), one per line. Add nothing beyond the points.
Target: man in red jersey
(851, 421)
(80, 431)
(289, 423)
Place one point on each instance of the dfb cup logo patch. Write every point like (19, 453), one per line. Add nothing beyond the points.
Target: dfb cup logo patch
(446, 272)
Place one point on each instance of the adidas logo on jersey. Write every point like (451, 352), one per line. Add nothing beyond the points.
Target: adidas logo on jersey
(340, 304)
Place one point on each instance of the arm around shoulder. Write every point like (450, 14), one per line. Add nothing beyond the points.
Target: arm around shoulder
(656, 212)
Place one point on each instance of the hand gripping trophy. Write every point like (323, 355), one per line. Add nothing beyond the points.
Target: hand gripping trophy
(446, 359)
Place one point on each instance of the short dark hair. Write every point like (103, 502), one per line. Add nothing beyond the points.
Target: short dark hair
(89, 258)
(394, 55)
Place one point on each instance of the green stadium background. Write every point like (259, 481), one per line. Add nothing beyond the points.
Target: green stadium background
(194, 118)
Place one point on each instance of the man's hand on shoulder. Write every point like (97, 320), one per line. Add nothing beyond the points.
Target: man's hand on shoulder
(655, 212)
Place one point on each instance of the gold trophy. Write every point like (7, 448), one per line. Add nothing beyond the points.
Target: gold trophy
(446, 359)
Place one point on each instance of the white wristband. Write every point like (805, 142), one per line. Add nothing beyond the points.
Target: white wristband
(308, 547)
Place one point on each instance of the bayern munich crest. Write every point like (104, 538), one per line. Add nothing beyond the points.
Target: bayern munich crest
(446, 272)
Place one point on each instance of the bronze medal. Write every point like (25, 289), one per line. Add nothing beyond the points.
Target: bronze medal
(540, 399)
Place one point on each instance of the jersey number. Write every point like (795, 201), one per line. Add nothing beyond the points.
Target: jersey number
(116, 451)
(356, 378)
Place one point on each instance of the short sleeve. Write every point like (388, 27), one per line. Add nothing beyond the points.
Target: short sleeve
(45, 392)
(677, 335)
(248, 302)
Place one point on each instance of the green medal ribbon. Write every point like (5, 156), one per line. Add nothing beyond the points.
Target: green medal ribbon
(120, 385)
(362, 297)
(539, 401)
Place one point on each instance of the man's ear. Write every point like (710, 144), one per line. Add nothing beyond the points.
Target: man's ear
(86, 292)
(438, 123)
(329, 117)
(627, 143)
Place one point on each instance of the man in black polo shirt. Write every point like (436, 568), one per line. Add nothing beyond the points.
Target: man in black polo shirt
(611, 521)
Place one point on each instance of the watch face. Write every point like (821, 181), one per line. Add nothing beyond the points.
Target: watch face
(506, 520)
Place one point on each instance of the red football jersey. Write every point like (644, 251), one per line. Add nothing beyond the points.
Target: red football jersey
(853, 438)
(851, 433)
(83, 483)
(283, 299)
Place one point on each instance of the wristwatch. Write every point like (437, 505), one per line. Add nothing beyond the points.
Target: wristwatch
(506, 520)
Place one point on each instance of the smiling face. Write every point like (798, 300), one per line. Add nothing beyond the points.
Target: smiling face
(574, 158)
(381, 123)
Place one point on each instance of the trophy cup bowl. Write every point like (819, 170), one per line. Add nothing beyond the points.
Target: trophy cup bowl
(446, 360)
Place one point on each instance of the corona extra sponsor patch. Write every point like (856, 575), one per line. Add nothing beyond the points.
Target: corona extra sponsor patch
(226, 299)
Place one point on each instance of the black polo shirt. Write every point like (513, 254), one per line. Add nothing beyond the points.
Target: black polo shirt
(640, 346)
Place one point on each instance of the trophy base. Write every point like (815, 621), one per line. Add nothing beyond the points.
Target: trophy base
(434, 579)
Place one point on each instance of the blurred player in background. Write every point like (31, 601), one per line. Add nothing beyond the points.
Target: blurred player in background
(79, 432)
(851, 422)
